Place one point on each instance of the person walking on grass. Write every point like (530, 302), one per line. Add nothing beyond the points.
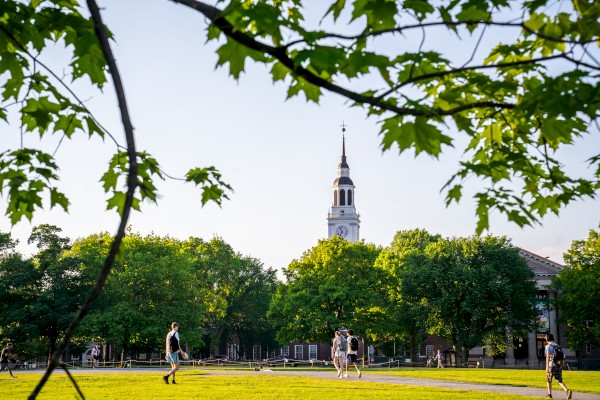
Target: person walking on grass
(5, 359)
(173, 349)
(439, 357)
(352, 352)
(339, 352)
(95, 353)
(554, 368)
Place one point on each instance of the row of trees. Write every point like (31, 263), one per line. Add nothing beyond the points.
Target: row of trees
(468, 291)
(579, 291)
(213, 292)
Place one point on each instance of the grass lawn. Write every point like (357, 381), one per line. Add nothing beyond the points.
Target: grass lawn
(578, 381)
(196, 384)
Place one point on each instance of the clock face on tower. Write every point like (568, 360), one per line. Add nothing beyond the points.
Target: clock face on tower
(342, 231)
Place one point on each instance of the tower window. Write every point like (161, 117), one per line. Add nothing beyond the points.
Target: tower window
(342, 197)
(349, 197)
(335, 198)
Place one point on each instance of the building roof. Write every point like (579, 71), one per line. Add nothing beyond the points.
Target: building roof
(541, 266)
(342, 180)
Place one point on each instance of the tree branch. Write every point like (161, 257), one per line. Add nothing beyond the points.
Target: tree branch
(131, 187)
(73, 380)
(400, 29)
(36, 61)
(579, 62)
(471, 68)
(280, 54)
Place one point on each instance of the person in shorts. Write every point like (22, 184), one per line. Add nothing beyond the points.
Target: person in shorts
(339, 353)
(95, 353)
(5, 359)
(440, 358)
(173, 349)
(553, 370)
(352, 354)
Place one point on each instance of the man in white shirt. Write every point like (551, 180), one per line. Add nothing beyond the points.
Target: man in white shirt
(352, 352)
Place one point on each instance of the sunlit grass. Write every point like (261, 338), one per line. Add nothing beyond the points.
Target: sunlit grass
(578, 381)
(201, 385)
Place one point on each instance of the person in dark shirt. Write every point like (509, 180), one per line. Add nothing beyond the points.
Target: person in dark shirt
(173, 350)
(6, 358)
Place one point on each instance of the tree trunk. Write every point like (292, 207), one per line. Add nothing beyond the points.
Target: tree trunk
(463, 351)
(412, 348)
(52, 342)
(123, 349)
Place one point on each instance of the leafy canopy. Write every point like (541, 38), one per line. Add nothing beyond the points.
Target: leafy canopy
(45, 104)
(528, 90)
(580, 292)
(332, 286)
(466, 290)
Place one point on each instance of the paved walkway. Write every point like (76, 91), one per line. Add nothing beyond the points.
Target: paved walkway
(368, 377)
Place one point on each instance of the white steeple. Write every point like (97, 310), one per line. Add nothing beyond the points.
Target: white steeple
(343, 219)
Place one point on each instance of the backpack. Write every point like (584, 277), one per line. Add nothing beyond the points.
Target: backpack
(353, 343)
(343, 344)
(559, 356)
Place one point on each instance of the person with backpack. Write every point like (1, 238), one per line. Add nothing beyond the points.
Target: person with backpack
(340, 347)
(352, 352)
(554, 362)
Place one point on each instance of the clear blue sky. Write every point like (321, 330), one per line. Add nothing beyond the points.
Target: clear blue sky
(280, 156)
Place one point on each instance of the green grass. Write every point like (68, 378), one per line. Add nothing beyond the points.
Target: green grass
(578, 381)
(200, 385)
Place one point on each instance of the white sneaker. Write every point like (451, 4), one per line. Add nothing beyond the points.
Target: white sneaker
(339, 373)
(359, 374)
(346, 376)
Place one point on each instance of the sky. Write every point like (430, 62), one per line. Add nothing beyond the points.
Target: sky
(279, 155)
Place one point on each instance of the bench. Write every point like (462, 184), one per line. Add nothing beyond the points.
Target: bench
(475, 363)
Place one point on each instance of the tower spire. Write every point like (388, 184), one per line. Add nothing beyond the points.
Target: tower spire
(343, 220)
(343, 140)
(343, 163)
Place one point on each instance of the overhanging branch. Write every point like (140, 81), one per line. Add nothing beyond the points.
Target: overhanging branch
(401, 29)
(454, 71)
(280, 54)
(129, 197)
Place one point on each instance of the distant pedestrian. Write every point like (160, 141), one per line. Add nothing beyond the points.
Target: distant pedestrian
(335, 346)
(5, 359)
(95, 353)
(352, 352)
(340, 348)
(173, 349)
(439, 357)
(553, 369)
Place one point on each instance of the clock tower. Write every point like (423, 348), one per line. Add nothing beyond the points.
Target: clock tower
(343, 219)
